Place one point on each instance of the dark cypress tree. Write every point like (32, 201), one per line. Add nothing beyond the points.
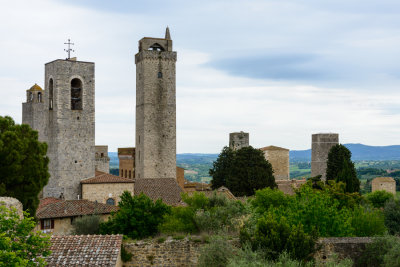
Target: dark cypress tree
(221, 168)
(242, 171)
(341, 169)
(23, 163)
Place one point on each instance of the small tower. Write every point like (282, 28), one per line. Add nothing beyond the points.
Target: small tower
(102, 160)
(320, 145)
(238, 140)
(33, 111)
(71, 126)
(155, 108)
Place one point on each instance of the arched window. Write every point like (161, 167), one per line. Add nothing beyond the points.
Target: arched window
(130, 174)
(76, 94)
(126, 173)
(121, 173)
(110, 201)
(39, 97)
(51, 94)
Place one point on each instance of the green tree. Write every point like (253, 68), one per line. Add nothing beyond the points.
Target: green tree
(86, 225)
(392, 216)
(19, 245)
(222, 168)
(341, 169)
(242, 171)
(23, 163)
(138, 216)
(378, 198)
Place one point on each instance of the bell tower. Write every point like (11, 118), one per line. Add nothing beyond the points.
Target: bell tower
(155, 155)
(71, 125)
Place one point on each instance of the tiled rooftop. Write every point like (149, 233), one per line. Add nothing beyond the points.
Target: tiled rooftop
(165, 188)
(84, 250)
(70, 208)
(103, 178)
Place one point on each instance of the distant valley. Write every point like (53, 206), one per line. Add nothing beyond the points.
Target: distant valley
(197, 164)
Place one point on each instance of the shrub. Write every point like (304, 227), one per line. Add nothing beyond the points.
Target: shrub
(138, 216)
(374, 252)
(379, 198)
(267, 197)
(273, 235)
(392, 257)
(125, 255)
(367, 222)
(180, 220)
(217, 253)
(392, 216)
(86, 225)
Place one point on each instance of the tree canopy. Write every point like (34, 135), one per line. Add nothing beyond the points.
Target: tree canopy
(23, 163)
(138, 216)
(19, 245)
(341, 169)
(242, 171)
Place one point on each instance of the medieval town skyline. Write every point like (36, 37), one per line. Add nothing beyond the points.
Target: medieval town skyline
(280, 70)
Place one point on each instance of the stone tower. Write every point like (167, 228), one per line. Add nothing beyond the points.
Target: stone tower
(320, 145)
(238, 140)
(34, 112)
(64, 118)
(155, 155)
(279, 159)
(102, 161)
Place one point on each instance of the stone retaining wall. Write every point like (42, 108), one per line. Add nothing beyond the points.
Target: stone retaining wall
(185, 252)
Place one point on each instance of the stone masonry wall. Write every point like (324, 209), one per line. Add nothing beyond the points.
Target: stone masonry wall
(320, 146)
(185, 252)
(279, 160)
(9, 202)
(170, 253)
(238, 140)
(102, 192)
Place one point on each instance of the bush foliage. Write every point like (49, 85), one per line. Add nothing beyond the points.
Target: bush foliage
(392, 216)
(19, 244)
(86, 225)
(138, 216)
(379, 198)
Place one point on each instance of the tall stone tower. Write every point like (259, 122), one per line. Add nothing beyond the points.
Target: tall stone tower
(155, 109)
(320, 145)
(63, 114)
(238, 140)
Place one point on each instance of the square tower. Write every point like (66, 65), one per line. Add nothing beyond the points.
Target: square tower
(321, 144)
(238, 140)
(69, 98)
(155, 109)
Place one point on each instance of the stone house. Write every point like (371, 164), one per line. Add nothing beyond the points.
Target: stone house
(85, 250)
(106, 188)
(384, 183)
(57, 216)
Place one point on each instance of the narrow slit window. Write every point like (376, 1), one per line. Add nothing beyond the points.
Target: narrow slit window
(51, 94)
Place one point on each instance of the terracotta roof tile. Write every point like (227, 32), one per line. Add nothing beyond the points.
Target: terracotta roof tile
(105, 178)
(84, 250)
(273, 148)
(383, 179)
(48, 200)
(69, 208)
(165, 188)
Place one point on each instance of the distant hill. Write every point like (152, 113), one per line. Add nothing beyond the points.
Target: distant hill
(358, 151)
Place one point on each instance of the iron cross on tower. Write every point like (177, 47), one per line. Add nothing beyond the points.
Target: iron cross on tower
(69, 48)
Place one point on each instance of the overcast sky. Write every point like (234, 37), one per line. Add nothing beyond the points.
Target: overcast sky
(280, 70)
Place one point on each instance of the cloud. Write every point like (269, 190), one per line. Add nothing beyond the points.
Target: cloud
(280, 70)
